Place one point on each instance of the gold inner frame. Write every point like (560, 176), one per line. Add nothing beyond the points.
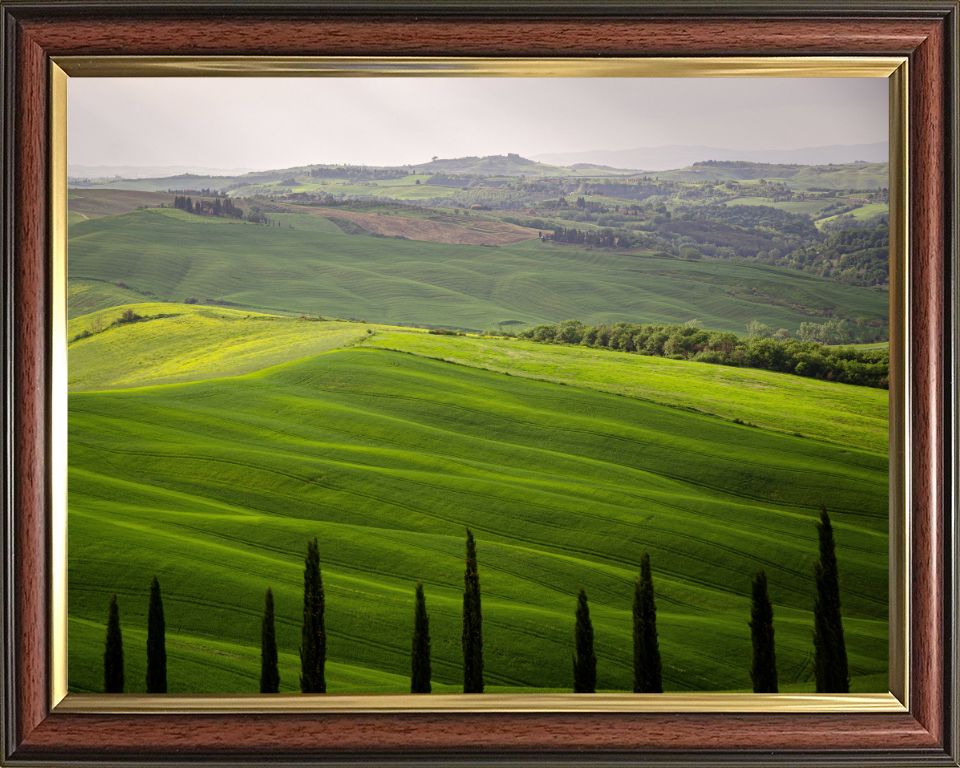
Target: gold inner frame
(892, 68)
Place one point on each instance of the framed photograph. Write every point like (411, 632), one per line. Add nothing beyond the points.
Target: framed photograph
(342, 360)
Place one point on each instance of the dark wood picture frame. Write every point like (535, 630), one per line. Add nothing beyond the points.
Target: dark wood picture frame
(924, 32)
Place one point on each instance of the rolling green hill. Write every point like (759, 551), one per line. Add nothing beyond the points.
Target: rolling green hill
(215, 487)
(864, 212)
(514, 165)
(189, 343)
(195, 343)
(825, 410)
(845, 176)
(85, 297)
(390, 280)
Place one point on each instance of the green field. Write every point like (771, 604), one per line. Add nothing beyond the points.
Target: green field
(811, 207)
(792, 404)
(194, 343)
(215, 487)
(306, 221)
(863, 212)
(846, 176)
(461, 286)
(85, 297)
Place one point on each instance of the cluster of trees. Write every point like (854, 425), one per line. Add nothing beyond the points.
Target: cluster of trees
(602, 238)
(463, 180)
(763, 349)
(359, 172)
(842, 331)
(763, 216)
(855, 252)
(205, 192)
(218, 207)
(830, 656)
(744, 244)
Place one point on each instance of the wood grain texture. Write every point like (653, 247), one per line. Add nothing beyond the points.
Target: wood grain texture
(30, 390)
(928, 246)
(894, 739)
(227, 736)
(476, 37)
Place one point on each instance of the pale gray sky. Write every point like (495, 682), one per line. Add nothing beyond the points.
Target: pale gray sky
(277, 123)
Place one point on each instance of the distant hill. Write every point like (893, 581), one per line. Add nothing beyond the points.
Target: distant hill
(680, 156)
(513, 165)
(147, 171)
(847, 176)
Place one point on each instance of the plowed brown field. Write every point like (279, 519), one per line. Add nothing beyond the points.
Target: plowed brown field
(94, 203)
(481, 232)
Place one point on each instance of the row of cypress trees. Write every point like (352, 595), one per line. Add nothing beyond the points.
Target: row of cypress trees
(830, 659)
(113, 677)
(829, 649)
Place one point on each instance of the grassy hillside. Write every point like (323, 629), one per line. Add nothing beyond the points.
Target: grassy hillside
(202, 342)
(846, 176)
(824, 410)
(386, 457)
(96, 202)
(864, 212)
(183, 181)
(514, 165)
(474, 287)
(811, 207)
(85, 297)
(194, 343)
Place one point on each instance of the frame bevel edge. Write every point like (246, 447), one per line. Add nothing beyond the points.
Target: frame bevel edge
(7, 539)
(506, 8)
(951, 474)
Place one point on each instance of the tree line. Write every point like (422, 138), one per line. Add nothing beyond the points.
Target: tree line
(830, 657)
(767, 351)
(218, 207)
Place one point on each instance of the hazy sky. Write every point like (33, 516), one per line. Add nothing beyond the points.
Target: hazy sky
(277, 123)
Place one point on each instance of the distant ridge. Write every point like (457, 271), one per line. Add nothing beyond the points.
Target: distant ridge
(680, 156)
(147, 171)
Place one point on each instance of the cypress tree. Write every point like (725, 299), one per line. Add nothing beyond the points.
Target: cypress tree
(764, 671)
(269, 670)
(829, 649)
(420, 654)
(472, 623)
(646, 649)
(584, 659)
(313, 641)
(156, 643)
(113, 652)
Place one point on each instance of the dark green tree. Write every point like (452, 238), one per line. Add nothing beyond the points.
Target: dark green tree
(313, 641)
(646, 648)
(113, 652)
(420, 653)
(472, 623)
(156, 642)
(829, 649)
(584, 658)
(764, 671)
(269, 669)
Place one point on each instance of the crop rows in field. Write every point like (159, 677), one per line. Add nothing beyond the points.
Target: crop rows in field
(461, 286)
(386, 457)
